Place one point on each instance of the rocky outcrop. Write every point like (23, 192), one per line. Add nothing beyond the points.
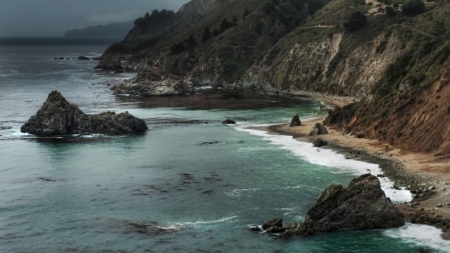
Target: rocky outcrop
(109, 63)
(154, 85)
(295, 121)
(318, 130)
(59, 117)
(362, 205)
(276, 222)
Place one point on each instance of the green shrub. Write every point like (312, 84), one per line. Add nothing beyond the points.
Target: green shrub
(390, 11)
(357, 20)
(413, 7)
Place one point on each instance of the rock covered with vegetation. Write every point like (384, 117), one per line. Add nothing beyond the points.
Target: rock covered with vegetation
(59, 117)
(362, 205)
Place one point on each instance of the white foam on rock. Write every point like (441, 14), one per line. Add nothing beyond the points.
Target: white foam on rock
(422, 235)
(329, 158)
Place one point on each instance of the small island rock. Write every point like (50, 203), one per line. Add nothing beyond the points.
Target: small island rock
(295, 121)
(83, 58)
(362, 205)
(275, 222)
(58, 117)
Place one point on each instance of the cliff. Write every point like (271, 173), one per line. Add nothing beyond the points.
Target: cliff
(394, 62)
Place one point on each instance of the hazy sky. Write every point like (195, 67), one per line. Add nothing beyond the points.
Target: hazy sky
(29, 18)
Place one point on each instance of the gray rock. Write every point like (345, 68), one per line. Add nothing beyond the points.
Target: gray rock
(295, 121)
(58, 117)
(153, 85)
(318, 130)
(275, 229)
(275, 222)
(362, 205)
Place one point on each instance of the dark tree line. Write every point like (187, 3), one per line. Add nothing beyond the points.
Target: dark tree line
(155, 18)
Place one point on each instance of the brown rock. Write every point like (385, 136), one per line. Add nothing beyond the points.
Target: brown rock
(318, 130)
(295, 121)
(362, 205)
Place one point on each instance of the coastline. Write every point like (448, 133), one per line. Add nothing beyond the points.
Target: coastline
(406, 169)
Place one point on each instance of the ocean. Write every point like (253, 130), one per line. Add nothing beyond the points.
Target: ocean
(167, 190)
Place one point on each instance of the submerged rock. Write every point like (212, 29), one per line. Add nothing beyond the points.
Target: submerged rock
(318, 130)
(153, 85)
(362, 205)
(295, 121)
(58, 117)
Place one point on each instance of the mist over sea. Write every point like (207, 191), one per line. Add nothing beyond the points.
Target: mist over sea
(164, 191)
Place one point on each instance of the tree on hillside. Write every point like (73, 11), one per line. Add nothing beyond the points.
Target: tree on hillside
(225, 25)
(413, 7)
(357, 20)
(246, 12)
(206, 34)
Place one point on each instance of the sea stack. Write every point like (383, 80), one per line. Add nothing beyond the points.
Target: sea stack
(362, 205)
(59, 117)
(295, 121)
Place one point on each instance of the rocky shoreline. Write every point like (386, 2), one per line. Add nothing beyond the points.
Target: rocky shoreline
(429, 190)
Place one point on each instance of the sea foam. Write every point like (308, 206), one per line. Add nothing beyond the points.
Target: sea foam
(328, 158)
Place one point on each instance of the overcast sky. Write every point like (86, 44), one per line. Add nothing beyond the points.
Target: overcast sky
(30, 18)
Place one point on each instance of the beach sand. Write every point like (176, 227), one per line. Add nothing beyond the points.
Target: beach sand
(416, 171)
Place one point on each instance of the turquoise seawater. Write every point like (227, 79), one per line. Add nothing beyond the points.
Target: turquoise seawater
(65, 195)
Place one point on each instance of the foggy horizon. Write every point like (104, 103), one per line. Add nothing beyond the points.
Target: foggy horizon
(52, 18)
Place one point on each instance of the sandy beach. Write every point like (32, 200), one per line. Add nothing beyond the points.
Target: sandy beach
(426, 177)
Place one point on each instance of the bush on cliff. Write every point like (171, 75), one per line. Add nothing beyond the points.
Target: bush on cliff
(357, 20)
(413, 7)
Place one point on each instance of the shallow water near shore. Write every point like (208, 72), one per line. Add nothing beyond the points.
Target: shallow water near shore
(107, 193)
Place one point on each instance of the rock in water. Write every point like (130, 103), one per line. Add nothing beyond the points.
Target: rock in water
(154, 85)
(295, 121)
(362, 205)
(228, 122)
(318, 130)
(83, 58)
(276, 222)
(57, 117)
(319, 143)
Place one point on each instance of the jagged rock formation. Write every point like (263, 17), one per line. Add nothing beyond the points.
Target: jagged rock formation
(361, 206)
(154, 85)
(59, 117)
(295, 121)
(318, 129)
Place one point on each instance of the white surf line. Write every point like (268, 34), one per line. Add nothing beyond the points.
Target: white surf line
(328, 158)
(422, 235)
